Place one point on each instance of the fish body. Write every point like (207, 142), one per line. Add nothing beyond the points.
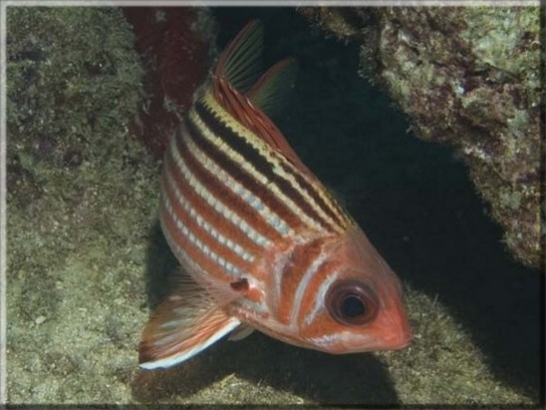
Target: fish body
(261, 242)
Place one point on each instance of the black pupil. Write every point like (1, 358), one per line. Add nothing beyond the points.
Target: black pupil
(352, 306)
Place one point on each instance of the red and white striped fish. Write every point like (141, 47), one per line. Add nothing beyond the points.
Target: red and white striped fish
(263, 245)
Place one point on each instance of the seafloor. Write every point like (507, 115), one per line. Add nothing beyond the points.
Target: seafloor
(86, 257)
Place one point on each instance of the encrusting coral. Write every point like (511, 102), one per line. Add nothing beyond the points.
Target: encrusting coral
(468, 77)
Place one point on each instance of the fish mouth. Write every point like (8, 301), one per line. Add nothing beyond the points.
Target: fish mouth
(381, 341)
(399, 338)
(399, 341)
(395, 343)
(394, 337)
(394, 332)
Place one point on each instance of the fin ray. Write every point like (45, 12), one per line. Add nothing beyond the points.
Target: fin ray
(182, 326)
(236, 74)
(274, 86)
(241, 61)
(253, 118)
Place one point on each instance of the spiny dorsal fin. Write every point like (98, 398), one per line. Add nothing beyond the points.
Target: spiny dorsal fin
(235, 74)
(253, 118)
(273, 88)
(241, 61)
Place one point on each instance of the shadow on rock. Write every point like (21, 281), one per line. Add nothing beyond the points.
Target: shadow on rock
(316, 376)
(436, 236)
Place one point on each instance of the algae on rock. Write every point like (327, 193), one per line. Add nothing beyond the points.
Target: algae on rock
(82, 197)
(468, 77)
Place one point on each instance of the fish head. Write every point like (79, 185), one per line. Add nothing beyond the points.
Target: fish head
(357, 306)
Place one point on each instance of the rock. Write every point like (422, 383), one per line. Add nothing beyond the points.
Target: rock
(467, 77)
(176, 46)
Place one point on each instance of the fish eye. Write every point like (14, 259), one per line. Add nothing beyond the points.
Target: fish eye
(351, 302)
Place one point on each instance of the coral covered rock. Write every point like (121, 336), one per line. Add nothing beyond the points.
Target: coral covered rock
(468, 77)
(82, 196)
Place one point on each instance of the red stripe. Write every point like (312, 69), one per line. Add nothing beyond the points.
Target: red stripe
(201, 234)
(300, 260)
(193, 252)
(310, 294)
(234, 169)
(219, 190)
(264, 167)
(222, 225)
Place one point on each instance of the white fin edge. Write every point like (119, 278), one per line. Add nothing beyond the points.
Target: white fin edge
(179, 358)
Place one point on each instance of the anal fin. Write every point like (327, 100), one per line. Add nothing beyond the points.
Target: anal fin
(182, 326)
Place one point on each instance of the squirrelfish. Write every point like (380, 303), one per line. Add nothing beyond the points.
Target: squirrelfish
(261, 242)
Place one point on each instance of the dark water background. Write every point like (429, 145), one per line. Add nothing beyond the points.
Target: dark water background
(414, 199)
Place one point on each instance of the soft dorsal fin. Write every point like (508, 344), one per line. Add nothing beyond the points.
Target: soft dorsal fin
(241, 61)
(274, 86)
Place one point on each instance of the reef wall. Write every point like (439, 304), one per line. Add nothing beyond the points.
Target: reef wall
(468, 77)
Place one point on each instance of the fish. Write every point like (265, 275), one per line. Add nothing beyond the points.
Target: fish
(262, 244)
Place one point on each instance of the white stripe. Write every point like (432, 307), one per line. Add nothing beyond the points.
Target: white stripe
(189, 264)
(274, 161)
(302, 286)
(216, 204)
(224, 264)
(320, 298)
(238, 189)
(207, 227)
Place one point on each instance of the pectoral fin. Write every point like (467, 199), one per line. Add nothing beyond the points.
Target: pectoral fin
(182, 326)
